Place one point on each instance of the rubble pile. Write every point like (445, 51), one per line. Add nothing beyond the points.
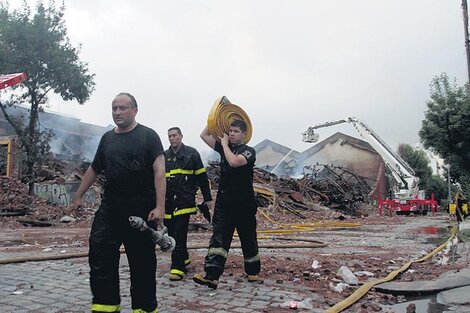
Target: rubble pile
(15, 201)
(321, 185)
(61, 171)
(337, 188)
(14, 197)
(313, 196)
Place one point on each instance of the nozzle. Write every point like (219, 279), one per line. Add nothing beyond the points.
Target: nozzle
(159, 237)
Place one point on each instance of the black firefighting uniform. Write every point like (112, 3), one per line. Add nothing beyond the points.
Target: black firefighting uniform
(126, 160)
(184, 174)
(235, 208)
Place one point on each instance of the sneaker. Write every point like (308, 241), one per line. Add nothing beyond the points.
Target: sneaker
(253, 278)
(198, 279)
(174, 277)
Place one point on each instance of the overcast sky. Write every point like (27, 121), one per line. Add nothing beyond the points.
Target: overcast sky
(288, 64)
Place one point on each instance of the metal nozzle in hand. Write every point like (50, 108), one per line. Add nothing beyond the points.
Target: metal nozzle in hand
(159, 237)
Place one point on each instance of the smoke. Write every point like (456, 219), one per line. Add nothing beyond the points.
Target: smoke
(72, 139)
(66, 146)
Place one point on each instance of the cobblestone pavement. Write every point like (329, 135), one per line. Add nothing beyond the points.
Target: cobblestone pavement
(63, 286)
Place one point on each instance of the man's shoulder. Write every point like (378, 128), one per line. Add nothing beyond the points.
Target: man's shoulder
(108, 134)
(144, 128)
(244, 147)
(189, 149)
(248, 152)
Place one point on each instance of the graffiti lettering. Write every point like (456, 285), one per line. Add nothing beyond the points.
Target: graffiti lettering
(63, 193)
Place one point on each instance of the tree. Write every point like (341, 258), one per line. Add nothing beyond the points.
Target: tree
(446, 127)
(419, 162)
(438, 186)
(37, 44)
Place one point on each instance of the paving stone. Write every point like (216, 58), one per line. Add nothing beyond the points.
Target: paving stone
(454, 296)
(260, 304)
(238, 302)
(35, 307)
(263, 297)
(243, 310)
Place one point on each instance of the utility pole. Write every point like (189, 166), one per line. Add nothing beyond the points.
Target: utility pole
(467, 43)
(448, 181)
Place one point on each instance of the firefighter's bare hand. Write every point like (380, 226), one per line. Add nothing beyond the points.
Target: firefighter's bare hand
(224, 140)
(77, 205)
(157, 215)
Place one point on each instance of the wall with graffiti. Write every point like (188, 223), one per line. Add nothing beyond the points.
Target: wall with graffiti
(64, 192)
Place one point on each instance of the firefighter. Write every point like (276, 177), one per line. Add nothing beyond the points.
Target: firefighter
(132, 161)
(235, 206)
(452, 209)
(461, 207)
(184, 174)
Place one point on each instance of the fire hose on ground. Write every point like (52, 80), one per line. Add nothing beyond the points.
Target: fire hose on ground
(65, 256)
(161, 239)
(362, 291)
(297, 228)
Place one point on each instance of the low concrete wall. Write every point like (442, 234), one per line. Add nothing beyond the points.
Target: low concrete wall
(63, 193)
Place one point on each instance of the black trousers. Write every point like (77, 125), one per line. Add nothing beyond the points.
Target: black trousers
(229, 216)
(178, 229)
(110, 229)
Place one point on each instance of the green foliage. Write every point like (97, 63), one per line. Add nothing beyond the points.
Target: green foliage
(419, 162)
(438, 186)
(36, 43)
(446, 127)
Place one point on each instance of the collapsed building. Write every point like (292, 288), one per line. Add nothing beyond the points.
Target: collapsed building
(342, 169)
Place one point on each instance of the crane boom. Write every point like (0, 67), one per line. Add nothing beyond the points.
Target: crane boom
(401, 171)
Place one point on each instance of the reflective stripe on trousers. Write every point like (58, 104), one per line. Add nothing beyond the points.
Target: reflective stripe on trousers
(143, 311)
(105, 308)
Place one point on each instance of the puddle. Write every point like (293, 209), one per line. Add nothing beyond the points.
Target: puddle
(441, 234)
(431, 230)
(423, 305)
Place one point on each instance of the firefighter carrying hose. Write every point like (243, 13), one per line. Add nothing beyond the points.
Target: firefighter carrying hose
(184, 174)
(235, 206)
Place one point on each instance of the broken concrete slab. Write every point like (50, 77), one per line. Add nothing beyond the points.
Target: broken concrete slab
(463, 272)
(448, 280)
(456, 296)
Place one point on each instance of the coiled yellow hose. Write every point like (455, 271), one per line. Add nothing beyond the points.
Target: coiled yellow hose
(222, 114)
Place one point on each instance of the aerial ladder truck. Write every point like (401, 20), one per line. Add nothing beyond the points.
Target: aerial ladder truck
(406, 196)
